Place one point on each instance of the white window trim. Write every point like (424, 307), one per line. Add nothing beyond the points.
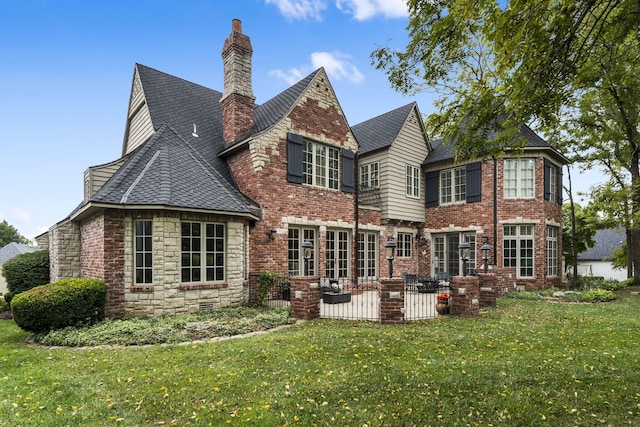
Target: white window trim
(370, 182)
(454, 196)
(203, 252)
(412, 188)
(519, 237)
(402, 246)
(519, 178)
(332, 154)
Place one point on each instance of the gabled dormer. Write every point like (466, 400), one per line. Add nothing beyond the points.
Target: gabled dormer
(392, 149)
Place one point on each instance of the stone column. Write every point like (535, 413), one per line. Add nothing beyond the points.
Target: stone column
(391, 301)
(305, 297)
(465, 295)
(488, 289)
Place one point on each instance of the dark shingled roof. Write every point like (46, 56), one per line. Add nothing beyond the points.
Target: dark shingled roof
(169, 171)
(380, 132)
(14, 249)
(607, 241)
(176, 169)
(442, 152)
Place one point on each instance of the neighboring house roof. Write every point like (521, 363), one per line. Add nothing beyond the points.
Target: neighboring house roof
(445, 152)
(380, 132)
(14, 249)
(607, 242)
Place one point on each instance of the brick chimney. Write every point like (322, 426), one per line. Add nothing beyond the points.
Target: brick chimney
(237, 100)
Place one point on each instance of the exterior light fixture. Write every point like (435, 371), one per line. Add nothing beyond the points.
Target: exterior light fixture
(464, 249)
(390, 253)
(485, 249)
(307, 248)
(272, 234)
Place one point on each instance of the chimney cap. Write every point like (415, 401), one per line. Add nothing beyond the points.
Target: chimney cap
(236, 26)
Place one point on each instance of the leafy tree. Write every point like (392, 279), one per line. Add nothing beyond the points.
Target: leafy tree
(7, 233)
(569, 67)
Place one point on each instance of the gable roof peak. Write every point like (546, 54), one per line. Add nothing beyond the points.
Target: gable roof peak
(381, 131)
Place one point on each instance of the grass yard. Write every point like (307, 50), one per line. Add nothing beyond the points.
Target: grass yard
(526, 363)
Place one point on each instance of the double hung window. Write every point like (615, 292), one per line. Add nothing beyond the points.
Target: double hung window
(453, 185)
(369, 177)
(552, 251)
(413, 181)
(403, 249)
(519, 177)
(143, 252)
(321, 165)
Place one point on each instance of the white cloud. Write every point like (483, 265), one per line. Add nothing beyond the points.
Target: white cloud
(16, 215)
(338, 66)
(300, 9)
(291, 76)
(365, 9)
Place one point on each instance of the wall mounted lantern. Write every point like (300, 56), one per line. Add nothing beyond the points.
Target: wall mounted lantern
(272, 234)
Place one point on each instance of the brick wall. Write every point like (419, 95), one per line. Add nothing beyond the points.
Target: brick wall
(261, 173)
(478, 217)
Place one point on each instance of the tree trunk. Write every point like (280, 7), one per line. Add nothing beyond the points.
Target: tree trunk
(629, 256)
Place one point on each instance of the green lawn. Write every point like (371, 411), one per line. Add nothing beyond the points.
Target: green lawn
(526, 363)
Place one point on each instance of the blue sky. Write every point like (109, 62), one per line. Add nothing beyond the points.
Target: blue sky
(66, 68)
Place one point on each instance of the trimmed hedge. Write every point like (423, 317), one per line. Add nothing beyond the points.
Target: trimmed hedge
(67, 302)
(26, 271)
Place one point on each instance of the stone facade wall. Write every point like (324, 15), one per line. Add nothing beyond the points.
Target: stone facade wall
(43, 241)
(167, 295)
(64, 251)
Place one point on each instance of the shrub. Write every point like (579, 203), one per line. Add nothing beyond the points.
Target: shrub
(68, 302)
(8, 297)
(598, 295)
(266, 281)
(26, 271)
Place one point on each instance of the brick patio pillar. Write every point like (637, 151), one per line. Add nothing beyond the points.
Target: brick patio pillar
(465, 296)
(391, 301)
(488, 289)
(305, 297)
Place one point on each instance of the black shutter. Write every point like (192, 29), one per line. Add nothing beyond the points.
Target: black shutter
(474, 182)
(295, 148)
(431, 186)
(547, 178)
(560, 186)
(348, 181)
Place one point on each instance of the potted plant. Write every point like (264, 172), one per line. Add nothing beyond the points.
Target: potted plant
(442, 303)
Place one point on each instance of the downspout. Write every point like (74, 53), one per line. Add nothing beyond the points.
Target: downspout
(356, 215)
(495, 211)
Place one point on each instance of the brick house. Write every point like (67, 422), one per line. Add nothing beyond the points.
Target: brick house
(212, 188)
